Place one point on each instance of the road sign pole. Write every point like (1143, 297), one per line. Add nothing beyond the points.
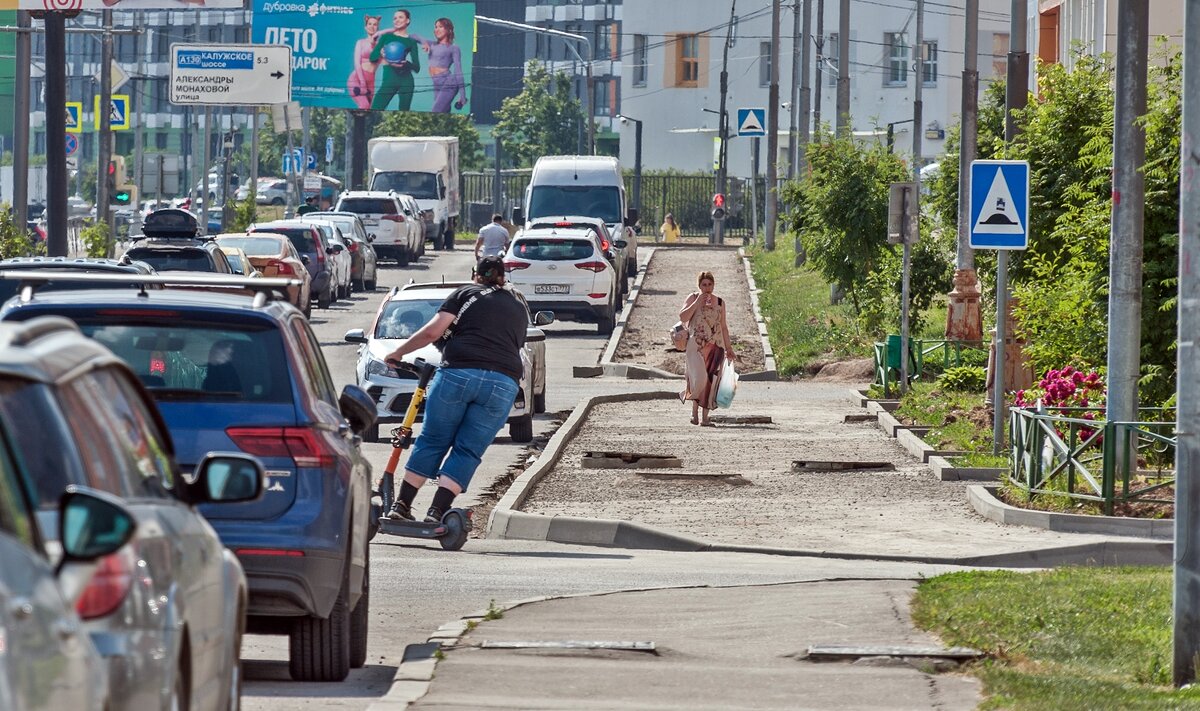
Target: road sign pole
(104, 114)
(204, 174)
(998, 399)
(906, 241)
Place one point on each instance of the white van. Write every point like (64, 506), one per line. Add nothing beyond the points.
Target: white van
(582, 185)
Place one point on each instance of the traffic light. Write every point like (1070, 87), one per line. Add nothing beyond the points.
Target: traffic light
(110, 178)
(122, 196)
(718, 206)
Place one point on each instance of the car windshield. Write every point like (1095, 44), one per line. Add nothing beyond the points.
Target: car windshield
(197, 361)
(422, 186)
(553, 249)
(368, 206)
(253, 246)
(174, 260)
(401, 319)
(603, 201)
(301, 238)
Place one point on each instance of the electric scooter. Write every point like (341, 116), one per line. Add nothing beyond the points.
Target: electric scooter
(452, 530)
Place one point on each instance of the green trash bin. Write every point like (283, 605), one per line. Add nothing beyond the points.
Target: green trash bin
(893, 355)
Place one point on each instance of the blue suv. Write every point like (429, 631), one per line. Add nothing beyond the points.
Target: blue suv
(236, 373)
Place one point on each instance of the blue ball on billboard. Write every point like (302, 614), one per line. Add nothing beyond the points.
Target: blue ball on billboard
(394, 52)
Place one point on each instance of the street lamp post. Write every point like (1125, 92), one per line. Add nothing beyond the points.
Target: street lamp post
(637, 159)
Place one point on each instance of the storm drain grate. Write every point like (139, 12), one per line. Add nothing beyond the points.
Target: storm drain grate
(629, 460)
(849, 653)
(851, 419)
(621, 646)
(824, 465)
(741, 419)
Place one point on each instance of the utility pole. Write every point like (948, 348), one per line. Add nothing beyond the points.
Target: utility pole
(254, 113)
(794, 93)
(358, 151)
(805, 91)
(56, 134)
(1185, 638)
(918, 105)
(843, 83)
(1128, 192)
(21, 109)
(772, 191)
(104, 116)
(964, 322)
(204, 161)
(139, 141)
(819, 74)
(718, 228)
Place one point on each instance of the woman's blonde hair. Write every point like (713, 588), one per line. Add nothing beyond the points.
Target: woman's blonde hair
(705, 275)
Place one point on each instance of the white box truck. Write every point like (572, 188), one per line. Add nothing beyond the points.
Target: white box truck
(425, 167)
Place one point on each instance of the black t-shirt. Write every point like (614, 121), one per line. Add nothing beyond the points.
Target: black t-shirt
(490, 334)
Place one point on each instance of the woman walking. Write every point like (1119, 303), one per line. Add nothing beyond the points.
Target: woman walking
(704, 313)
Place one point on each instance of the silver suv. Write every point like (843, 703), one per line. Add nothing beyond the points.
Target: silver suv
(384, 215)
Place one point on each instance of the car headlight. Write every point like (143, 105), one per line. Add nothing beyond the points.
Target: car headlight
(378, 367)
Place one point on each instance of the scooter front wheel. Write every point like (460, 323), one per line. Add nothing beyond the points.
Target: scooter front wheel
(456, 531)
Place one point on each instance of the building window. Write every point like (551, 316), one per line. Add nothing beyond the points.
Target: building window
(929, 64)
(160, 140)
(639, 60)
(162, 44)
(896, 71)
(602, 106)
(687, 60)
(999, 54)
(764, 63)
(39, 142)
(604, 41)
(214, 34)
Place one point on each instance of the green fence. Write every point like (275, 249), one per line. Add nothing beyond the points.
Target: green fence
(1076, 453)
(924, 354)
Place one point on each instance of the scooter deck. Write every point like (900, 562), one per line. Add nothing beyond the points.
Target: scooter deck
(412, 529)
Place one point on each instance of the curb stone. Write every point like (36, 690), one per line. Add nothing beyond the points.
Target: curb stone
(984, 500)
(769, 370)
(610, 348)
(947, 471)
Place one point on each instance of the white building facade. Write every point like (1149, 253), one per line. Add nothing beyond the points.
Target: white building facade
(672, 56)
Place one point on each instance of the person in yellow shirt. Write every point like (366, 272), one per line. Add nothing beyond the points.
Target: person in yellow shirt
(669, 231)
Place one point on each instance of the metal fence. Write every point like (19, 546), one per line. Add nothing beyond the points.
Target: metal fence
(687, 197)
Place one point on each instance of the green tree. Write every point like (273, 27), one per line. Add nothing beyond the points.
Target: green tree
(544, 119)
(416, 123)
(15, 240)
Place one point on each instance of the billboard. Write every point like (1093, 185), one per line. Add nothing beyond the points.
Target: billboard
(71, 5)
(364, 54)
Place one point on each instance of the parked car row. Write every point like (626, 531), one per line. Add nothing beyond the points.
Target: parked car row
(271, 539)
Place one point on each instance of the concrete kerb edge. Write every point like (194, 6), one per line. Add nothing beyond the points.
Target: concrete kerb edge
(763, 333)
(987, 504)
(503, 515)
(610, 349)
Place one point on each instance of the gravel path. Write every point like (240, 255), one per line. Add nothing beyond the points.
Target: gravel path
(670, 277)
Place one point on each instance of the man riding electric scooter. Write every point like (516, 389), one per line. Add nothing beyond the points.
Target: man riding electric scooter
(480, 329)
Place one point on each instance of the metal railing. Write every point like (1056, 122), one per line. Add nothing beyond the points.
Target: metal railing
(924, 352)
(1076, 453)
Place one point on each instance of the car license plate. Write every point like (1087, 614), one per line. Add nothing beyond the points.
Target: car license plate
(552, 288)
(370, 222)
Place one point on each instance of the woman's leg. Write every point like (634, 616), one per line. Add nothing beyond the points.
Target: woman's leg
(388, 89)
(443, 94)
(404, 90)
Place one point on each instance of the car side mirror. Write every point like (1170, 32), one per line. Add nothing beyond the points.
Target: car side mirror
(227, 477)
(608, 254)
(330, 250)
(338, 249)
(91, 525)
(631, 216)
(543, 318)
(358, 408)
(355, 335)
(621, 244)
(371, 237)
(518, 216)
(304, 259)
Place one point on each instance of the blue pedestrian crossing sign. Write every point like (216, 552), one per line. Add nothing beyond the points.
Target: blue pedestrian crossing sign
(118, 115)
(751, 122)
(74, 115)
(999, 204)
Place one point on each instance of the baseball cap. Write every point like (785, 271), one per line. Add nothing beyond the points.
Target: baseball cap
(490, 267)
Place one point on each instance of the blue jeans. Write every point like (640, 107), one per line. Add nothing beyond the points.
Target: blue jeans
(465, 410)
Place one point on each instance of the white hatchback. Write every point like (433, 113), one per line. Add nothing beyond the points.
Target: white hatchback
(405, 310)
(564, 270)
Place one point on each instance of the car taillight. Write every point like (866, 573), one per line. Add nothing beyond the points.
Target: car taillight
(510, 266)
(281, 267)
(108, 586)
(597, 296)
(304, 446)
(592, 266)
(394, 218)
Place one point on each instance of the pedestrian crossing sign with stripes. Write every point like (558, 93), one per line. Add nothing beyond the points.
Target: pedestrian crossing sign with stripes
(118, 116)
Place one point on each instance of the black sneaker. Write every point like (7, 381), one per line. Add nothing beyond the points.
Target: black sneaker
(400, 512)
(433, 515)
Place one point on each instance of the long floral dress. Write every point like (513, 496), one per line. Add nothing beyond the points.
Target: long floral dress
(704, 357)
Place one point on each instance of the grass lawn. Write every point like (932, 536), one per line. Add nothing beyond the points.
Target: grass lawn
(1070, 638)
(959, 419)
(803, 326)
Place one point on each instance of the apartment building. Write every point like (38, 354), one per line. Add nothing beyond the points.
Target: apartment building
(1092, 24)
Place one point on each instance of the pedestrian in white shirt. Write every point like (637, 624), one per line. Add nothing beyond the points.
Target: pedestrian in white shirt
(493, 239)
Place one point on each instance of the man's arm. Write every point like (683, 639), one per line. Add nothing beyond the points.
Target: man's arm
(478, 245)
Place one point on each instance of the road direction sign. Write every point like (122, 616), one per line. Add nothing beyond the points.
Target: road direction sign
(230, 75)
(74, 115)
(751, 122)
(118, 114)
(903, 214)
(72, 144)
(999, 204)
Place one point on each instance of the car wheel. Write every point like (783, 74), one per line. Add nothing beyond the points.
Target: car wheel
(324, 300)
(521, 429)
(180, 691)
(277, 201)
(360, 285)
(371, 434)
(319, 649)
(344, 292)
(369, 284)
(606, 324)
(402, 256)
(358, 620)
(539, 402)
(307, 310)
(235, 667)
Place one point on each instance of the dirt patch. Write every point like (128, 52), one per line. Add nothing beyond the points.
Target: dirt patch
(859, 370)
(670, 277)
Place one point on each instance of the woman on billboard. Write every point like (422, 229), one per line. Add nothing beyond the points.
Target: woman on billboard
(399, 53)
(445, 68)
(361, 83)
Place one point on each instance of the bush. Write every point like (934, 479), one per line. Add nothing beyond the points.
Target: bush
(14, 240)
(964, 378)
(97, 240)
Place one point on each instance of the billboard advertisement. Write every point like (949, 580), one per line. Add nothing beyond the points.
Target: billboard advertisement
(120, 4)
(365, 54)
